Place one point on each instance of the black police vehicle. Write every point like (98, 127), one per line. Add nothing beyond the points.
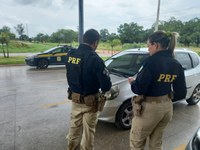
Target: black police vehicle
(53, 56)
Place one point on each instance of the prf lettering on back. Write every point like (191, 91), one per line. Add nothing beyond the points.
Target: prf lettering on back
(166, 78)
(74, 60)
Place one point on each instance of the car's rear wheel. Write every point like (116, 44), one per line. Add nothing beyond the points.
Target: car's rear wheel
(124, 116)
(42, 64)
(195, 98)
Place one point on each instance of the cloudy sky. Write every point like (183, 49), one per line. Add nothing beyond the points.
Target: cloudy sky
(48, 16)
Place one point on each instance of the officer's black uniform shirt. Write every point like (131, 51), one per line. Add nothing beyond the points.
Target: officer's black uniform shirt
(160, 74)
(86, 72)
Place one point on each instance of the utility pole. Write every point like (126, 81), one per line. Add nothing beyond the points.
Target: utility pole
(80, 37)
(27, 30)
(157, 18)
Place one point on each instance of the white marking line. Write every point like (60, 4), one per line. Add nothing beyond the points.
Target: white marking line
(56, 103)
(181, 147)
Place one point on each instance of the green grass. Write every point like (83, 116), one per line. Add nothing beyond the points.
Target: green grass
(18, 60)
(27, 47)
(196, 49)
(104, 58)
(12, 60)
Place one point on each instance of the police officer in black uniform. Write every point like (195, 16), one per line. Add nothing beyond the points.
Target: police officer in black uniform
(160, 74)
(86, 74)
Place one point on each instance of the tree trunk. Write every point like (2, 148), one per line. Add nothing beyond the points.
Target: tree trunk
(7, 51)
(4, 54)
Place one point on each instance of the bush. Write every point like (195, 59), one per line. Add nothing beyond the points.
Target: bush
(133, 45)
(19, 44)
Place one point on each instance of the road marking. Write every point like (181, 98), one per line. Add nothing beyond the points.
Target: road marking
(181, 147)
(34, 82)
(50, 81)
(50, 105)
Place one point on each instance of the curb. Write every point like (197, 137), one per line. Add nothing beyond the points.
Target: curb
(10, 65)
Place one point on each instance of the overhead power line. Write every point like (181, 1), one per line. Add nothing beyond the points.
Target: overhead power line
(167, 12)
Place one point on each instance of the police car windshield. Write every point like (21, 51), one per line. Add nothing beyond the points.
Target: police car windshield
(127, 64)
(49, 50)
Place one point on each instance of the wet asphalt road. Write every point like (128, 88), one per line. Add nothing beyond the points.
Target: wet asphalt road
(35, 113)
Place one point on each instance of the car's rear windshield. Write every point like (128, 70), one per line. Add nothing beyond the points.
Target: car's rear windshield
(126, 64)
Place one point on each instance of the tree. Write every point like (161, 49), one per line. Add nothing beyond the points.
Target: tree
(4, 40)
(196, 38)
(64, 36)
(190, 33)
(104, 34)
(113, 36)
(24, 37)
(20, 29)
(114, 43)
(6, 29)
(147, 33)
(12, 36)
(130, 33)
(196, 31)
(171, 25)
(42, 37)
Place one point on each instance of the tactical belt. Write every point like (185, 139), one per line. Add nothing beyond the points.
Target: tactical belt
(157, 99)
(89, 100)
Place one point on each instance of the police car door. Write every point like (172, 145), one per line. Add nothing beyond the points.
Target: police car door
(56, 56)
(65, 51)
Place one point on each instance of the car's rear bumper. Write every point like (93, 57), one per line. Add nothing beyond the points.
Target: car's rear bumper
(109, 112)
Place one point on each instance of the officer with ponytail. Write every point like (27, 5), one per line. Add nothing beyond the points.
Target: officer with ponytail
(160, 76)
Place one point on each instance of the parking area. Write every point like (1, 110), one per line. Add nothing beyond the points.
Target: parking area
(35, 114)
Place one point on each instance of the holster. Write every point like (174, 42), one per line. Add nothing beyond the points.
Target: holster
(171, 95)
(101, 102)
(137, 105)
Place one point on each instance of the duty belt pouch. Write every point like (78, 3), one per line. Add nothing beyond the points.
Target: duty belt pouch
(69, 91)
(101, 102)
(137, 105)
(76, 97)
(90, 100)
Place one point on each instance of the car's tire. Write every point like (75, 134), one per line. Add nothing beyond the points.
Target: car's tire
(195, 98)
(124, 116)
(42, 64)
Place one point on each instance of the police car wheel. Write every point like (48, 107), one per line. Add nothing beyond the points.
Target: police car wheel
(124, 116)
(195, 98)
(42, 64)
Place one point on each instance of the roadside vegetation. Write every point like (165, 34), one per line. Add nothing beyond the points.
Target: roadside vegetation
(16, 60)
(30, 47)
(129, 35)
(19, 60)
(27, 47)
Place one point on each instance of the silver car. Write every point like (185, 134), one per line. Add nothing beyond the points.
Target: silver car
(194, 143)
(118, 108)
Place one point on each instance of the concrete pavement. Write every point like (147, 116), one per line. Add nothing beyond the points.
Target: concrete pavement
(35, 114)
